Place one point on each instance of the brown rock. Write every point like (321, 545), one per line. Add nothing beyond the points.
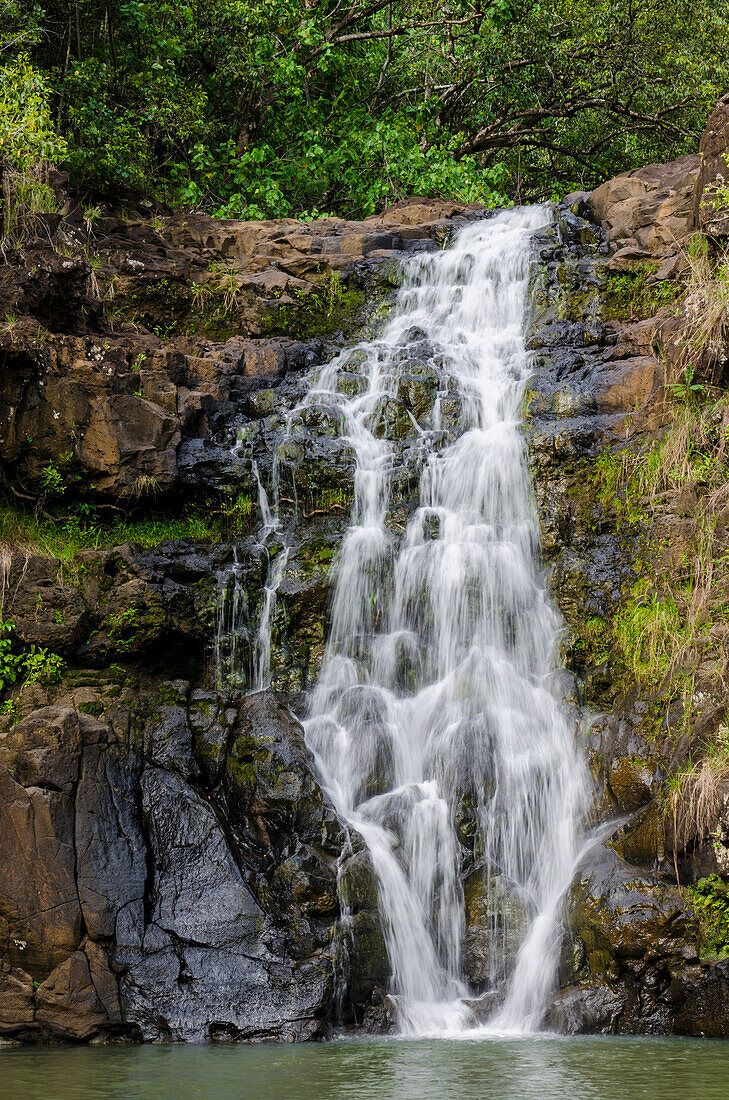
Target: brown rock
(69, 1003)
(710, 213)
(40, 916)
(17, 1008)
(45, 612)
(45, 750)
(648, 211)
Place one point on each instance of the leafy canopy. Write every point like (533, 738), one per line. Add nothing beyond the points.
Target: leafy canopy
(258, 108)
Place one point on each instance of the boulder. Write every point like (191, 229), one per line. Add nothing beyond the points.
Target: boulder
(649, 211)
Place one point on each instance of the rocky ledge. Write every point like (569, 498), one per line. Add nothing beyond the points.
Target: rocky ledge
(131, 348)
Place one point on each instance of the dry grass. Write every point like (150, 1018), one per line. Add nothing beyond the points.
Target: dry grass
(226, 285)
(144, 486)
(702, 342)
(25, 195)
(663, 631)
(696, 799)
(6, 559)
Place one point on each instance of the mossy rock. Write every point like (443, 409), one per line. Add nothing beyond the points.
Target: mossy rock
(367, 963)
(358, 886)
(268, 779)
(641, 842)
(323, 311)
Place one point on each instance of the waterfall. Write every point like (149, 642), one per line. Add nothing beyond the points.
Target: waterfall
(271, 524)
(436, 693)
(231, 666)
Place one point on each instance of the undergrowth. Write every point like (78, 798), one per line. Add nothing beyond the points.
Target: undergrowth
(694, 795)
(709, 899)
(673, 497)
(63, 533)
(319, 313)
(30, 665)
(636, 294)
(26, 197)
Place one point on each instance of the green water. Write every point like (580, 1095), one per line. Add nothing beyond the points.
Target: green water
(541, 1068)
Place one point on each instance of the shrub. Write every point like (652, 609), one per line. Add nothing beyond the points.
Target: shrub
(27, 134)
(28, 143)
(35, 665)
(710, 900)
(52, 480)
(10, 663)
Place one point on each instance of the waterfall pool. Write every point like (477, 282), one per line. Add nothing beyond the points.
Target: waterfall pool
(538, 1068)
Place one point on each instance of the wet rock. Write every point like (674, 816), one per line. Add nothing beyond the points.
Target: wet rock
(495, 925)
(367, 963)
(39, 908)
(268, 777)
(137, 905)
(79, 999)
(701, 997)
(593, 1010)
(111, 872)
(211, 722)
(360, 936)
(121, 605)
(17, 1002)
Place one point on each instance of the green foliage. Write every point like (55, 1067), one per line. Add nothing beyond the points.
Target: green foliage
(710, 900)
(648, 631)
(26, 196)
(594, 639)
(34, 665)
(41, 666)
(325, 310)
(10, 663)
(9, 707)
(687, 391)
(633, 296)
(263, 108)
(693, 450)
(51, 480)
(27, 133)
(122, 628)
(238, 511)
(28, 137)
(664, 637)
(78, 527)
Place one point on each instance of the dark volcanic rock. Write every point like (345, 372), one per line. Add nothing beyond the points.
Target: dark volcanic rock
(139, 904)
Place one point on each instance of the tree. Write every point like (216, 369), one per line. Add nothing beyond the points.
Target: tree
(263, 107)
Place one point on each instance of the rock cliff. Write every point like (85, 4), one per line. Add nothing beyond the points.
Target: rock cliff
(173, 868)
(623, 538)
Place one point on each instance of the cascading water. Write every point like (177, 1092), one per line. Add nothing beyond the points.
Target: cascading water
(231, 666)
(271, 524)
(435, 691)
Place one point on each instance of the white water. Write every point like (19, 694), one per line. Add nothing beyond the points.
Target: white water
(276, 569)
(436, 679)
(231, 668)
